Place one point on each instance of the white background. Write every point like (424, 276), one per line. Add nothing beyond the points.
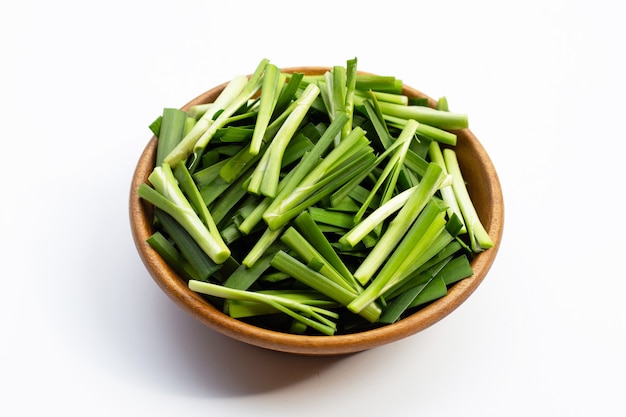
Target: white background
(86, 332)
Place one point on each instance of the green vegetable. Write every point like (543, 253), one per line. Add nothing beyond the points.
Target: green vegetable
(420, 234)
(171, 131)
(319, 282)
(167, 196)
(447, 193)
(267, 173)
(243, 308)
(430, 117)
(479, 239)
(329, 174)
(318, 204)
(267, 103)
(417, 200)
(172, 256)
(227, 104)
(314, 317)
(184, 148)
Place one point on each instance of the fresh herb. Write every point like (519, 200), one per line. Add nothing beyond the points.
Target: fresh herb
(314, 204)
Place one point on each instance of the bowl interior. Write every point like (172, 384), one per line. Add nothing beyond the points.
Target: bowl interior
(483, 186)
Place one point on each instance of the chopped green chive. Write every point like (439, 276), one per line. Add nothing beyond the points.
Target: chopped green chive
(314, 204)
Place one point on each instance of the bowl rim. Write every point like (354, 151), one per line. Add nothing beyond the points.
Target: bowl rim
(313, 345)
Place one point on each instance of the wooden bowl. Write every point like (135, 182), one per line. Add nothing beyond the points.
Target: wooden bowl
(484, 188)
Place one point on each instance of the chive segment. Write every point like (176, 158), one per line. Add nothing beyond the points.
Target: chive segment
(418, 199)
(479, 238)
(171, 132)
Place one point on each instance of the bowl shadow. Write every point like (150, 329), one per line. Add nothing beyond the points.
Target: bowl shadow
(205, 363)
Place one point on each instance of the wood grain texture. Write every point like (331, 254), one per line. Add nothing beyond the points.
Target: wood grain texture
(484, 188)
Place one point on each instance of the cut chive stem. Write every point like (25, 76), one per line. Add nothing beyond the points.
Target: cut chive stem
(172, 256)
(189, 248)
(395, 161)
(298, 244)
(283, 304)
(251, 87)
(479, 238)
(269, 95)
(168, 196)
(428, 225)
(171, 132)
(351, 74)
(292, 196)
(310, 230)
(418, 199)
(362, 229)
(296, 269)
(431, 117)
(266, 175)
(447, 193)
(268, 237)
(186, 145)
